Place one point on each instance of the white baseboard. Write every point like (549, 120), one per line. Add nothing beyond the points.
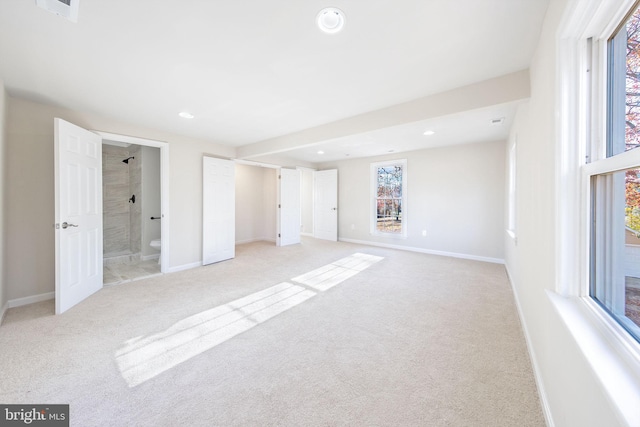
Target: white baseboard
(19, 302)
(307, 234)
(544, 400)
(425, 251)
(184, 267)
(150, 257)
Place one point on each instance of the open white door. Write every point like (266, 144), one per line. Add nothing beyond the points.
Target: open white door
(325, 210)
(218, 210)
(78, 214)
(288, 207)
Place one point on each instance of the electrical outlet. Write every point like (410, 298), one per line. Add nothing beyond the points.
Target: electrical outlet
(353, 226)
(424, 233)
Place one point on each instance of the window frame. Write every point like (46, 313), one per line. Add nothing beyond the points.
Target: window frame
(600, 163)
(374, 198)
(512, 196)
(581, 103)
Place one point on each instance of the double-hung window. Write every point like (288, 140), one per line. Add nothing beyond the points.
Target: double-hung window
(597, 168)
(613, 177)
(388, 196)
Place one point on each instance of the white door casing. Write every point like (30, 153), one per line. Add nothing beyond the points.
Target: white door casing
(288, 207)
(218, 210)
(78, 214)
(325, 208)
(164, 186)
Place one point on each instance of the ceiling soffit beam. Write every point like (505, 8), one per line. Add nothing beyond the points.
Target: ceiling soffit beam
(499, 90)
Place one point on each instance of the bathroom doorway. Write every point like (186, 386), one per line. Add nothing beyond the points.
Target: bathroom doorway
(132, 183)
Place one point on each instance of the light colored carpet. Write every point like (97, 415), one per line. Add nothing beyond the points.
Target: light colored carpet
(412, 340)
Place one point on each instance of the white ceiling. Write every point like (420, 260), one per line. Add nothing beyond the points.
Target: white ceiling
(463, 128)
(254, 70)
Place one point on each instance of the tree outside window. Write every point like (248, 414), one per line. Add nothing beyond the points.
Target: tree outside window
(389, 181)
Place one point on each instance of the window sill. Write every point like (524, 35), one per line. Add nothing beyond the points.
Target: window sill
(611, 352)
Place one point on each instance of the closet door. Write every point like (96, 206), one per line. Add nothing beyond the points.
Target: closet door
(325, 214)
(218, 210)
(288, 207)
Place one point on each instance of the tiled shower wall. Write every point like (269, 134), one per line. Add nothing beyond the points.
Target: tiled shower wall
(121, 219)
(135, 209)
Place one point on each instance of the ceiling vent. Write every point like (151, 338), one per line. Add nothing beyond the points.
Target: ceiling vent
(497, 121)
(65, 8)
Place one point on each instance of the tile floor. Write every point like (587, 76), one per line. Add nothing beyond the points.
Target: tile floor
(115, 274)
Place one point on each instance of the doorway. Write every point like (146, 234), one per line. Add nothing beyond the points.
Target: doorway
(267, 203)
(255, 202)
(131, 207)
(135, 203)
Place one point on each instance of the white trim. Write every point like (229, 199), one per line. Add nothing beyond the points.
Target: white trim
(425, 251)
(164, 187)
(581, 101)
(512, 185)
(306, 234)
(608, 358)
(537, 373)
(149, 257)
(568, 236)
(627, 160)
(19, 302)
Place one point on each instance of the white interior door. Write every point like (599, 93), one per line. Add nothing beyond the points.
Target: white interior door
(78, 214)
(325, 218)
(288, 207)
(218, 210)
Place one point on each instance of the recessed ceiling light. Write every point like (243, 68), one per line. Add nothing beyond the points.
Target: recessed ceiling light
(320, 152)
(330, 20)
(186, 115)
(428, 132)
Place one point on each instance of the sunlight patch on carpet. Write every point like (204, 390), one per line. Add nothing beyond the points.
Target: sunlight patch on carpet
(141, 359)
(337, 272)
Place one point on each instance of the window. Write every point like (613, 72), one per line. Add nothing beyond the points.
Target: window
(591, 169)
(614, 182)
(511, 192)
(388, 188)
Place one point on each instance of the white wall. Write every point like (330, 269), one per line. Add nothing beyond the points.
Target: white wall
(30, 197)
(255, 203)
(4, 100)
(456, 194)
(151, 198)
(573, 394)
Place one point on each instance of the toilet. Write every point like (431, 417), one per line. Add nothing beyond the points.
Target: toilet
(156, 244)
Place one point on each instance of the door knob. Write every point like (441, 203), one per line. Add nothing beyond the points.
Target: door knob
(66, 225)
